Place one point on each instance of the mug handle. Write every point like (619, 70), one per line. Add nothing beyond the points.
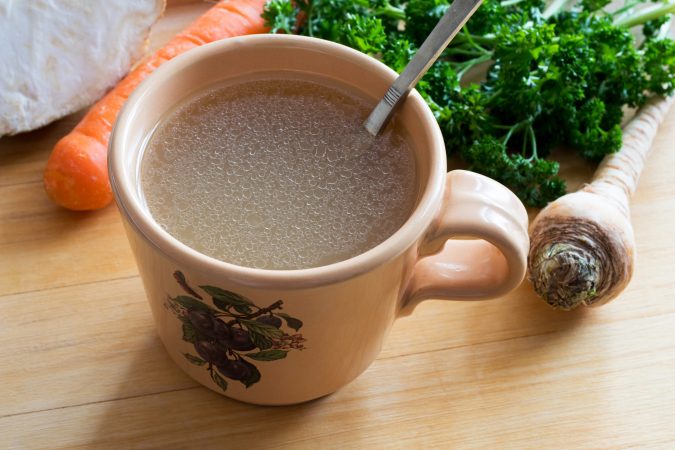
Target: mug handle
(490, 263)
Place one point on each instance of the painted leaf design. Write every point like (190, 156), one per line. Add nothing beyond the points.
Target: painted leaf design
(220, 381)
(262, 328)
(243, 309)
(260, 341)
(194, 359)
(292, 322)
(224, 299)
(189, 332)
(215, 328)
(188, 302)
(268, 355)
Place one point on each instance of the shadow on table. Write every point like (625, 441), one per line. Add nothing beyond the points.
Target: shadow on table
(182, 414)
(523, 310)
(523, 326)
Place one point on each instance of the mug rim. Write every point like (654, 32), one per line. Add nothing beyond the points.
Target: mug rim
(130, 205)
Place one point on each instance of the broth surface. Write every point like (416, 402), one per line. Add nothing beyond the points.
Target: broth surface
(277, 174)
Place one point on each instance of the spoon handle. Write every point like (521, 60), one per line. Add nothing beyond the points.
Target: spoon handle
(452, 21)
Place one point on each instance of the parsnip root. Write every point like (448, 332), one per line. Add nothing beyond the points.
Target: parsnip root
(582, 248)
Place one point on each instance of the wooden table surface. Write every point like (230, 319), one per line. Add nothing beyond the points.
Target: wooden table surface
(81, 366)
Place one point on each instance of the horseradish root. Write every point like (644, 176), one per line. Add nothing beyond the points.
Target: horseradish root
(582, 248)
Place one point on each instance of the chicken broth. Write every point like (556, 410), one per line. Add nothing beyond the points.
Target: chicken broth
(277, 174)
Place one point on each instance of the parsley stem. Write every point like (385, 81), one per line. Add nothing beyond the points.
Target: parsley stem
(468, 52)
(554, 8)
(625, 9)
(391, 12)
(516, 128)
(463, 67)
(495, 95)
(308, 19)
(533, 142)
(665, 29)
(473, 42)
(646, 15)
(507, 3)
(387, 10)
(513, 129)
(464, 38)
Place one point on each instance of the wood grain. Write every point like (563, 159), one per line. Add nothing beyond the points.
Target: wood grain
(81, 366)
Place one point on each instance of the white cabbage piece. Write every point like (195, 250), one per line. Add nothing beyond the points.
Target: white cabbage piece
(58, 56)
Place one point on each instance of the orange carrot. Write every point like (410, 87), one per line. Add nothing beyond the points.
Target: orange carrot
(76, 176)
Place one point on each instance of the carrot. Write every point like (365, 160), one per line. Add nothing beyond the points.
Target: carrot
(582, 248)
(76, 175)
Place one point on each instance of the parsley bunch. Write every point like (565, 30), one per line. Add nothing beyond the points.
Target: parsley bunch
(556, 76)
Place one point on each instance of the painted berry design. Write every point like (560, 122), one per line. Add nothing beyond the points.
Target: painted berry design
(227, 335)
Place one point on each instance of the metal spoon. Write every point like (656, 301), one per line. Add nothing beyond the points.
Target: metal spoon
(452, 21)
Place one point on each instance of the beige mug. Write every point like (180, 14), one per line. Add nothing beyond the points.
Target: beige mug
(279, 337)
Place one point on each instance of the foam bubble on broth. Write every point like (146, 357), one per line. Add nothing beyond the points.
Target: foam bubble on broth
(277, 174)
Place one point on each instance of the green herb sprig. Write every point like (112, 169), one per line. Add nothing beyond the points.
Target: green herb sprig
(556, 75)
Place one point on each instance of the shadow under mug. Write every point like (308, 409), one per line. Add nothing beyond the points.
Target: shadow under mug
(287, 336)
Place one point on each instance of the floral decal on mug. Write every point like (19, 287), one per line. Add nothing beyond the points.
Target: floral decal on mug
(235, 331)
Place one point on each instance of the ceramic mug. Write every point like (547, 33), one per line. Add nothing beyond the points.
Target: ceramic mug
(286, 336)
